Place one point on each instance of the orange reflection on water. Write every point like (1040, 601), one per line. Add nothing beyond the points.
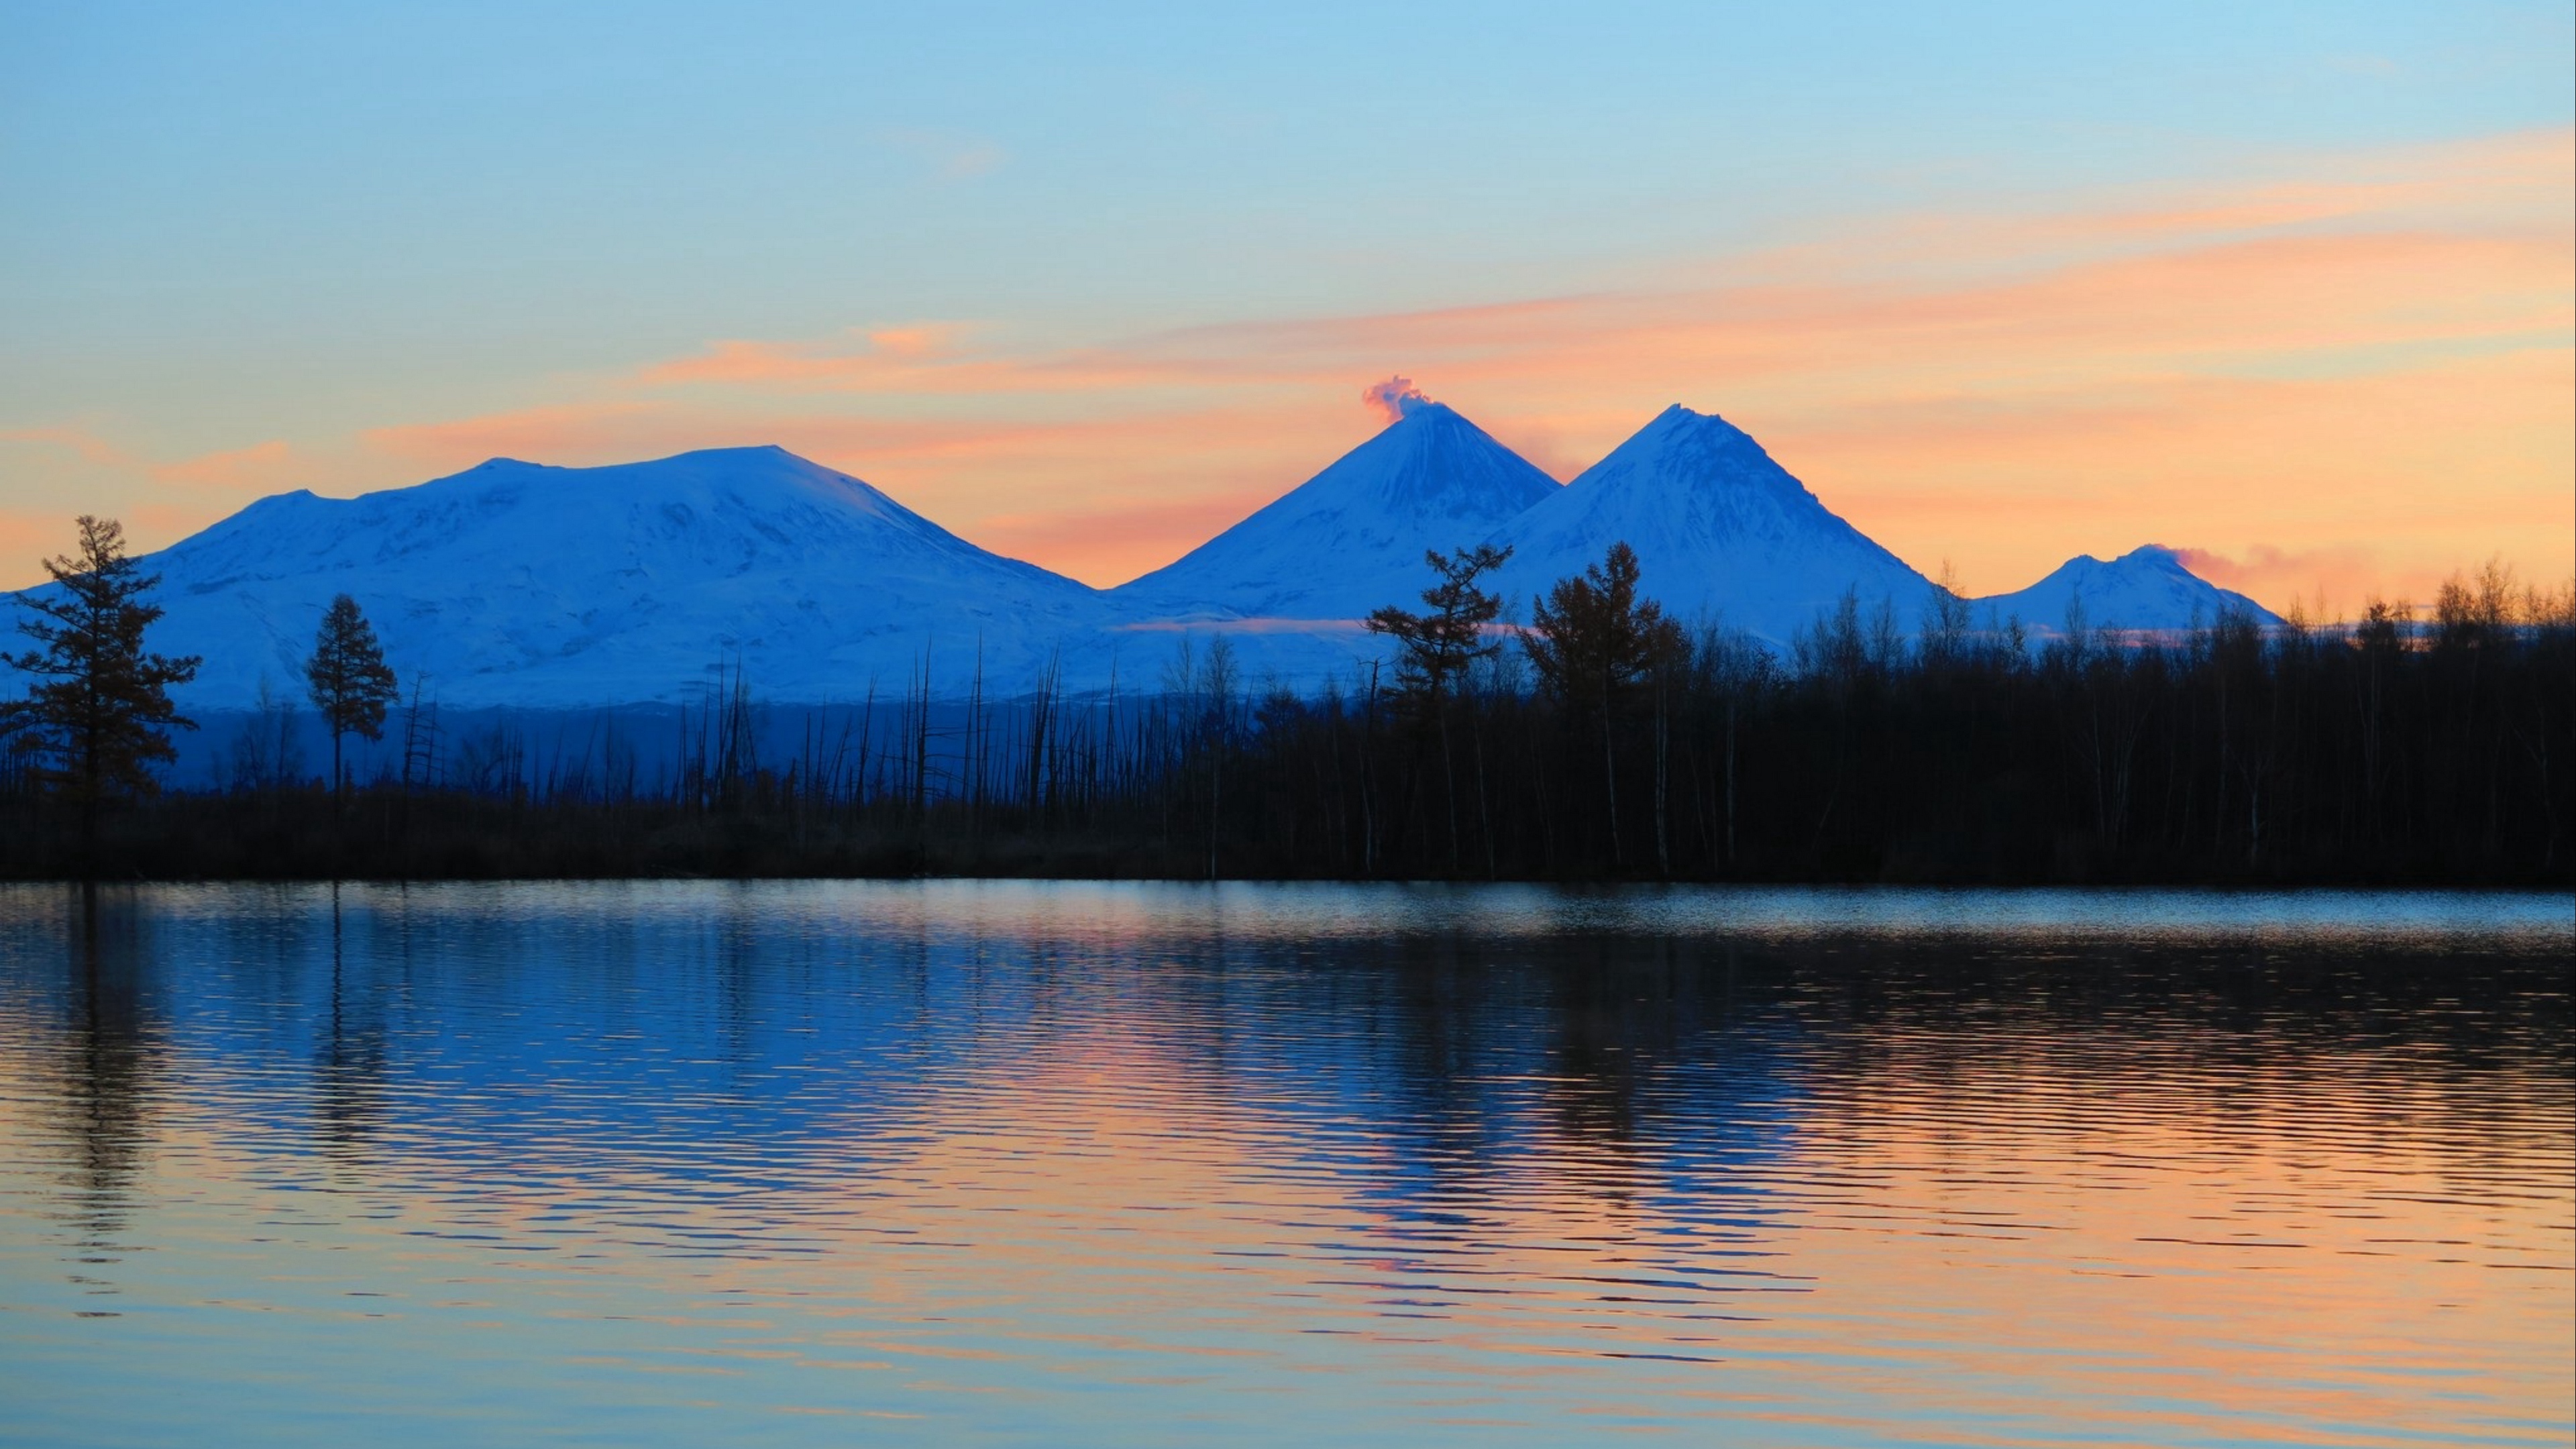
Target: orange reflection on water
(787, 1152)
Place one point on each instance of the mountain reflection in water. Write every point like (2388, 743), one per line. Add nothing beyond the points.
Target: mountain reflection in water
(690, 1163)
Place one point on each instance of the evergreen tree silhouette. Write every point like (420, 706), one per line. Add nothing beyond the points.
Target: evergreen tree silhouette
(1591, 640)
(99, 714)
(1435, 650)
(349, 680)
(1436, 647)
(1592, 643)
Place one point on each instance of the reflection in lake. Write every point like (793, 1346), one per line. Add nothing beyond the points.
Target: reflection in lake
(691, 1163)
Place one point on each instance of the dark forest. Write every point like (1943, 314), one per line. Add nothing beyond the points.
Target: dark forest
(1604, 743)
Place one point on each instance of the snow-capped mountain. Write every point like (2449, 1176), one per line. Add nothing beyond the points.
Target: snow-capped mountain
(518, 584)
(1720, 530)
(524, 586)
(1352, 537)
(2145, 588)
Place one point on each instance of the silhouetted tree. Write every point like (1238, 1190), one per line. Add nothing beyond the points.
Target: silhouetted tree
(1593, 641)
(1593, 638)
(350, 681)
(1436, 648)
(99, 714)
(2394, 749)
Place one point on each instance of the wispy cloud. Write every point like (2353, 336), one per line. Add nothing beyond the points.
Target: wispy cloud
(2364, 369)
(78, 439)
(2246, 363)
(535, 434)
(2332, 582)
(261, 465)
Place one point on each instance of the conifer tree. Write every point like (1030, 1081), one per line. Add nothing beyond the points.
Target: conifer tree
(1436, 647)
(99, 715)
(1592, 641)
(1591, 638)
(350, 682)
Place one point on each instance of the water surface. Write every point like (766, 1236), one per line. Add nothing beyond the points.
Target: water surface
(1069, 1163)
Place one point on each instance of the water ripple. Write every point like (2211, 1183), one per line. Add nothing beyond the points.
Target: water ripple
(1082, 1163)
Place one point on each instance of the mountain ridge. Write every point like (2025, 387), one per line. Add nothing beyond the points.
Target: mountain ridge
(515, 584)
(2149, 587)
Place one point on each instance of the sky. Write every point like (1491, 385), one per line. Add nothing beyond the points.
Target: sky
(2290, 287)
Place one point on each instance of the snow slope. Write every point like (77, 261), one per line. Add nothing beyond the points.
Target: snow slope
(514, 585)
(2145, 588)
(1720, 530)
(1352, 537)
(518, 584)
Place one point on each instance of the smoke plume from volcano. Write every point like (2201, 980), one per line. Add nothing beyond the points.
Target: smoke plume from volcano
(1395, 398)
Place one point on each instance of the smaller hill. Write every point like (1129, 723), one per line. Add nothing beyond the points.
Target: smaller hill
(2145, 588)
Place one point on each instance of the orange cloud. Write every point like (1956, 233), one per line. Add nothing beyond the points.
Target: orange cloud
(1102, 496)
(2341, 578)
(538, 434)
(2385, 481)
(94, 474)
(76, 439)
(1118, 542)
(27, 538)
(913, 357)
(2223, 392)
(255, 466)
(2201, 394)
(2365, 367)
(159, 502)
(2267, 299)
(921, 340)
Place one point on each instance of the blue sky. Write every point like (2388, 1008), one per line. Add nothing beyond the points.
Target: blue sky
(292, 226)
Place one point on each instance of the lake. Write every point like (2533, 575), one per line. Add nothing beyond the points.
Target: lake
(1068, 1163)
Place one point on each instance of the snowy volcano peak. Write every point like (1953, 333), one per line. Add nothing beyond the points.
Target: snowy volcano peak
(1431, 465)
(515, 583)
(736, 507)
(1691, 451)
(752, 487)
(1719, 528)
(2146, 588)
(1352, 537)
(1695, 477)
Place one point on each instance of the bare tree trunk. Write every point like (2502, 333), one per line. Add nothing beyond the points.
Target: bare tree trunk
(1368, 803)
(1546, 817)
(1610, 781)
(1449, 784)
(1663, 771)
(1484, 812)
(1730, 784)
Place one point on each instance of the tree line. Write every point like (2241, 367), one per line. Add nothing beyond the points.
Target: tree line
(97, 717)
(1602, 740)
